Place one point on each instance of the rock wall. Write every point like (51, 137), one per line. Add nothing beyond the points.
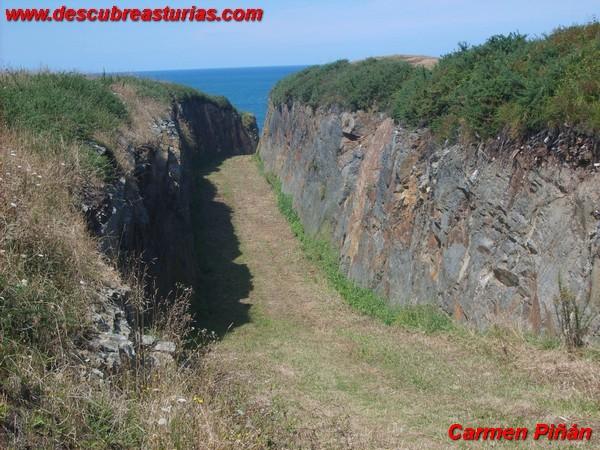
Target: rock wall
(146, 211)
(484, 230)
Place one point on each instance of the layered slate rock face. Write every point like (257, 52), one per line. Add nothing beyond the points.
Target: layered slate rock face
(145, 215)
(146, 212)
(483, 230)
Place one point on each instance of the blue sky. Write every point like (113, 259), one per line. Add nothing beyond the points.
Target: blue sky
(292, 32)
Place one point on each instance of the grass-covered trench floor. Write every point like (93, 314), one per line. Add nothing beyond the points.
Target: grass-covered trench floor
(337, 375)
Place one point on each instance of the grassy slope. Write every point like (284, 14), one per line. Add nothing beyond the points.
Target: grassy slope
(71, 106)
(51, 270)
(509, 82)
(71, 109)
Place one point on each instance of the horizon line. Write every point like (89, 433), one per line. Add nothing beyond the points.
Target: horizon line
(130, 71)
(217, 68)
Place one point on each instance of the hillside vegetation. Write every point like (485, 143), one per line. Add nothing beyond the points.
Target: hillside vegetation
(509, 83)
(50, 269)
(72, 106)
(52, 274)
(361, 85)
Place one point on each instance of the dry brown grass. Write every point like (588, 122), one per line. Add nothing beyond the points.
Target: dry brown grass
(416, 60)
(50, 271)
(42, 233)
(143, 112)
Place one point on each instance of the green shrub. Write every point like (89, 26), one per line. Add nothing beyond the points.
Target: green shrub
(248, 120)
(361, 85)
(512, 83)
(508, 83)
(574, 316)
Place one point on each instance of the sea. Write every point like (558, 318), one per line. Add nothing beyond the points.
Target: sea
(246, 88)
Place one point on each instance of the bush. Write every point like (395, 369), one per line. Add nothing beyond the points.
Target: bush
(508, 83)
(512, 83)
(363, 85)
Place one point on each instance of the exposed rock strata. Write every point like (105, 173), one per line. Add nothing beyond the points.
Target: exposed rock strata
(146, 212)
(484, 231)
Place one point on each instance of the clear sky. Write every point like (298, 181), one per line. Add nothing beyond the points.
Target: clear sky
(292, 32)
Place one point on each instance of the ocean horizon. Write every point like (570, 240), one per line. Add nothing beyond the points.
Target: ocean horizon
(247, 88)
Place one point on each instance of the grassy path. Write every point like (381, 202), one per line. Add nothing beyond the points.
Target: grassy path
(344, 380)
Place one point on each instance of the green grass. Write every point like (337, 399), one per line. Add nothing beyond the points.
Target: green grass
(63, 109)
(106, 430)
(426, 318)
(72, 106)
(163, 91)
(510, 82)
(65, 106)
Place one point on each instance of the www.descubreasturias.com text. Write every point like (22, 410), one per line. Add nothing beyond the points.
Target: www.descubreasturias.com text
(118, 14)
